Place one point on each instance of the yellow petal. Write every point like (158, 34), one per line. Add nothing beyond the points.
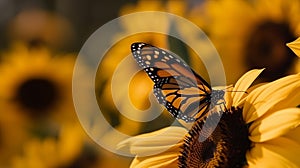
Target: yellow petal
(156, 142)
(295, 46)
(280, 152)
(243, 84)
(294, 134)
(277, 95)
(162, 160)
(274, 125)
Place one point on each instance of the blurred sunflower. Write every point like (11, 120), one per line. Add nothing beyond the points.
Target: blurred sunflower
(172, 6)
(50, 29)
(37, 85)
(68, 149)
(260, 129)
(34, 95)
(12, 133)
(252, 34)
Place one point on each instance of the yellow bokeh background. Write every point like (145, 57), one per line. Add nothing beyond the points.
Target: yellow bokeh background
(40, 42)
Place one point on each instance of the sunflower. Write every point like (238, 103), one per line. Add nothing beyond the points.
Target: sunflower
(252, 34)
(50, 29)
(147, 144)
(258, 129)
(274, 116)
(12, 133)
(35, 94)
(35, 84)
(175, 7)
(67, 149)
(295, 47)
(156, 149)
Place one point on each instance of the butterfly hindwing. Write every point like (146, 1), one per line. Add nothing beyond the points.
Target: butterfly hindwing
(182, 101)
(183, 92)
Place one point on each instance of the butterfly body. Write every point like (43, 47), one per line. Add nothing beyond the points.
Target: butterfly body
(184, 93)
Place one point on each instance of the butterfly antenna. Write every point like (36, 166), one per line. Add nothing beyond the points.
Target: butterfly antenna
(231, 86)
(238, 91)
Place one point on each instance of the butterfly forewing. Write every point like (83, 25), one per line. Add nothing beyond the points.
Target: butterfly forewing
(184, 93)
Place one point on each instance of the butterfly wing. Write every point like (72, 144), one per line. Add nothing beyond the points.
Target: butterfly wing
(182, 91)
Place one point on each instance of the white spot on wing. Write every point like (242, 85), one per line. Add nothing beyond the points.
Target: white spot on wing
(148, 57)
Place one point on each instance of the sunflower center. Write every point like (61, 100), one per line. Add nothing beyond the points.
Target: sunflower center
(224, 146)
(37, 94)
(209, 148)
(265, 48)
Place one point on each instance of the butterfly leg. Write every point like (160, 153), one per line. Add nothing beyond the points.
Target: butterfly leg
(222, 106)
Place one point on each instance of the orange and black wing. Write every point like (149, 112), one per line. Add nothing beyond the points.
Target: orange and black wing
(184, 93)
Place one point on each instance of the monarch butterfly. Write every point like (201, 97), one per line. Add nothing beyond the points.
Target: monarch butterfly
(184, 93)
